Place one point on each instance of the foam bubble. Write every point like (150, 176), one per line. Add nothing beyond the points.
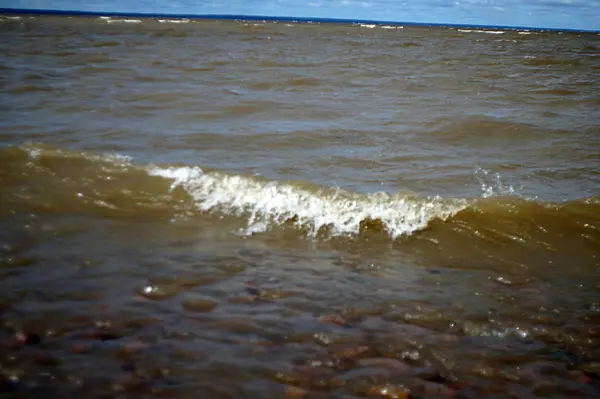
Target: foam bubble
(370, 26)
(340, 213)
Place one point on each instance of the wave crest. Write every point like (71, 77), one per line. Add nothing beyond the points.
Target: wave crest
(340, 213)
(42, 179)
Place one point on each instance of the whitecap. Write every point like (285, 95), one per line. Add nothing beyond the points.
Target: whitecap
(265, 204)
(125, 21)
(489, 32)
(174, 21)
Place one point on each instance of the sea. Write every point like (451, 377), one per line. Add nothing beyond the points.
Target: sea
(281, 209)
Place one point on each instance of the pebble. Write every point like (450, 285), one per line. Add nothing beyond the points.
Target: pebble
(309, 377)
(348, 352)
(158, 292)
(335, 319)
(198, 305)
(392, 365)
(294, 392)
(270, 295)
(388, 391)
(132, 347)
(79, 349)
(245, 299)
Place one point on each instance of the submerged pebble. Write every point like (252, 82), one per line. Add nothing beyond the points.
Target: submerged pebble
(309, 377)
(388, 391)
(158, 292)
(199, 305)
(294, 392)
(335, 319)
(394, 366)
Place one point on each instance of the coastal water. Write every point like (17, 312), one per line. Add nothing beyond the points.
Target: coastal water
(230, 209)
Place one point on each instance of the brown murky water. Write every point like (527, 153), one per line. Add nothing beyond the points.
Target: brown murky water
(247, 210)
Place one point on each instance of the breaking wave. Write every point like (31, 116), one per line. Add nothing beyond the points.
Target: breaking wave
(269, 203)
(41, 179)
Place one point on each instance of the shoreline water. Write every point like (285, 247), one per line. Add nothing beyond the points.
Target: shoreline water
(275, 210)
(307, 20)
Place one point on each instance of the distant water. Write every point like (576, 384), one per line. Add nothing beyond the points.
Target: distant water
(249, 209)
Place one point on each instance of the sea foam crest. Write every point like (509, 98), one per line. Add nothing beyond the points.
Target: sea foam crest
(340, 213)
(174, 21)
(124, 21)
(489, 32)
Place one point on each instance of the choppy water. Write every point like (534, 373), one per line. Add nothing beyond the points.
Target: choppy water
(297, 210)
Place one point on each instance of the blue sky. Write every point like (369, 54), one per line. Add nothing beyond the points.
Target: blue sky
(568, 14)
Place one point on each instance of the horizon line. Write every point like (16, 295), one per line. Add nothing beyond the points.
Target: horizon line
(245, 17)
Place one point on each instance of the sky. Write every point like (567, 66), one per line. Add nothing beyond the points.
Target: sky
(561, 14)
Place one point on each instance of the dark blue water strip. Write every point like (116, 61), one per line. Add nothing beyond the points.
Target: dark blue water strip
(73, 13)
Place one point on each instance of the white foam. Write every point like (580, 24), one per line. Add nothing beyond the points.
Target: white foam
(525, 33)
(489, 32)
(266, 204)
(14, 18)
(178, 175)
(33, 152)
(174, 21)
(391, 27)
(104, 18)
(370, 26)
(113, 159)
(491, 184)
(124, 21)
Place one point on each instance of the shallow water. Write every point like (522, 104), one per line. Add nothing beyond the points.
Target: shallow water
(297, 210)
